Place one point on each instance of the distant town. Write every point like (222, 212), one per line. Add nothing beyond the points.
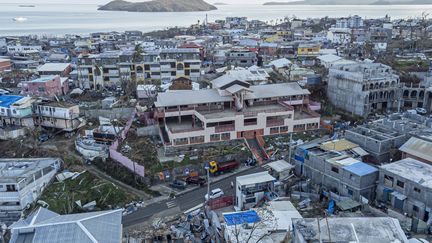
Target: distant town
(238, 130)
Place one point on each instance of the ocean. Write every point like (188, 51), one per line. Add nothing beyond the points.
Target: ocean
(58, 19)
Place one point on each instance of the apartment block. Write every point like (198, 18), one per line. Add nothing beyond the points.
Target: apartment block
(337, 167)
(242, 57)
(105, 69)
(169, 64)
(233, 109)
(363, 88)
(406, 186)
(58, 115)
(22, 181)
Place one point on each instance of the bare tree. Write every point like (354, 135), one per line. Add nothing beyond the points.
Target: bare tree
(254, 232)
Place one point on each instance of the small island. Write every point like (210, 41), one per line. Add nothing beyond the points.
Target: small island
(158, 6)
(351, 2)
(220, 4)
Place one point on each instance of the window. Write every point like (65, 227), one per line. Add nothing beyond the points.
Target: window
(388, 180)
(400, 184)
(415, 208)
(41, 89)
(335, 169)
(214, 137)
(11, 188)
(274, 130)
(225, 136)
(417, 190)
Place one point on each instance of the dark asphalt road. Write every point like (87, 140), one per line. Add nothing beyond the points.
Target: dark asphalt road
(185, 201)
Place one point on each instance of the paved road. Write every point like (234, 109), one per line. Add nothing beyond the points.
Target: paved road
(185, 201)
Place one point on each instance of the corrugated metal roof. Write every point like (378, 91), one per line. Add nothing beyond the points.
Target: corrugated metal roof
(46, 226)
(418, 147)
(338, 145)
(360, 169)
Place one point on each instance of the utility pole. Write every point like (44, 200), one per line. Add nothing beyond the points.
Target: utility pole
(207, 167)
(290, 149)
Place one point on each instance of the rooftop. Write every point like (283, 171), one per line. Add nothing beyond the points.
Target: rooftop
(360, 169)
(412, 170)
(365, 230)
(45, 226)
(279, 166)
(338, 145)
(11, 170)
(7, 100)
(418, 147)
(53, 67)
(255, 178)
(43, 79)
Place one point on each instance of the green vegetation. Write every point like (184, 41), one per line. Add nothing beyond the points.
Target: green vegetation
(411, 65)
(61, 196)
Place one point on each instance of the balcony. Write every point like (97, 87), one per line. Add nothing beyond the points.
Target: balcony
(305, 114)
(275, 122)
(224, 128)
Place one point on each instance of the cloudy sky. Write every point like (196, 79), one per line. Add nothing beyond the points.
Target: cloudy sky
(106, 1)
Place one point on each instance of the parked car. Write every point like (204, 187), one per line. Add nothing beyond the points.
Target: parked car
(421, 111)
(215, 193)
(196, 180)
(43, 137)
(178, 184)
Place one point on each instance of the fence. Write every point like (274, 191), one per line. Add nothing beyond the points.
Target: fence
(221, 202)
(118, 157)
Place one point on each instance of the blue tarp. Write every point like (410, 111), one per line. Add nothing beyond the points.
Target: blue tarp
(7, 100)
(245, 217)
(331, 205)
(360, 169)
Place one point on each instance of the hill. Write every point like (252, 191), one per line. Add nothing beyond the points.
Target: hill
(158, 6)
(351, 2)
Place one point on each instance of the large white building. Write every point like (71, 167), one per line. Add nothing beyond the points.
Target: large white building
(233, 109)
(22, 181)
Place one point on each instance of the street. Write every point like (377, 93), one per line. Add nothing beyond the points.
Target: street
(185, 201)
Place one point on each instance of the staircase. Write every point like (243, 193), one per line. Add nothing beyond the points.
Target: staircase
(255, 145)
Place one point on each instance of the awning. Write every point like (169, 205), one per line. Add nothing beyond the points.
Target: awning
(399, 196)
(347, 204)
(360, 151)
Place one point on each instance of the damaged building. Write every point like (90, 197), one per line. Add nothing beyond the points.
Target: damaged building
(363, 88)
(336, 166)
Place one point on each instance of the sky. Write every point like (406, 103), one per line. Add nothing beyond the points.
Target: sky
(106, 1)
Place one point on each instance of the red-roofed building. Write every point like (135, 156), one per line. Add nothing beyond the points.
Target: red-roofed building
(192, 45)
(5, 64)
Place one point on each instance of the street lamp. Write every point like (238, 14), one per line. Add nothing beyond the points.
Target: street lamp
(207, 168)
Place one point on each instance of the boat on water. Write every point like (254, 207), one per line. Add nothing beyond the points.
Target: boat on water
(19, 19)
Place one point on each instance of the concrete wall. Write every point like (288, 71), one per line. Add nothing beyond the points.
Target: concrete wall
(422, 199)
(148, 131)
(115, 113)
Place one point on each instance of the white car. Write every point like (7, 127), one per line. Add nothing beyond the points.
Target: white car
(421, 111)
(215, 193)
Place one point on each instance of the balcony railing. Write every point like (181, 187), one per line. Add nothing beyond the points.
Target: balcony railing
(275, 122)
(192, 129)
(224, 128)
